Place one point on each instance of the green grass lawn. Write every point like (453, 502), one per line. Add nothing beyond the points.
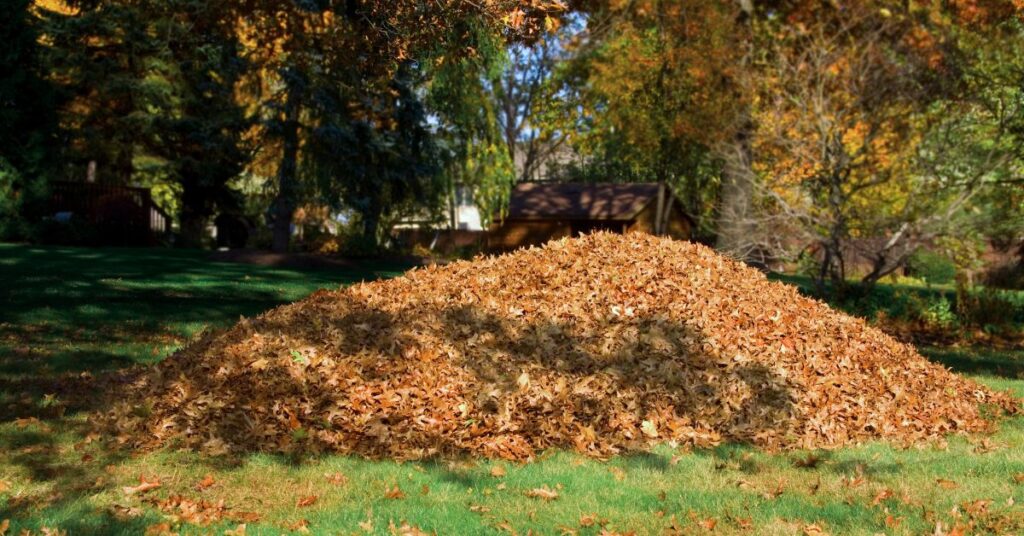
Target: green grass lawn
(67, 312)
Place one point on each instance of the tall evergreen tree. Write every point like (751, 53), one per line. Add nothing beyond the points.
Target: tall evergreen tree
(27, 122)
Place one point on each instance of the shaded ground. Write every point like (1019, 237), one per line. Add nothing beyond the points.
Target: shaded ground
(67, 312)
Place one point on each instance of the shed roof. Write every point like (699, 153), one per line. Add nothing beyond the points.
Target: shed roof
(577, 201)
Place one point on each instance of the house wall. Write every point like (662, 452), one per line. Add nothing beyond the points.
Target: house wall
(679, 226)
(443, 241)
(513, 234)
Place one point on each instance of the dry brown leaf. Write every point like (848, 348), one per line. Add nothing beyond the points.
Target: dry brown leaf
(498, 471)
(588, 520)
(1019, 478)
(5, 525)
(337, 479)
(394, 493)
(160, 529)
(544, 492)
(308, 500)
(245, 517)
(301, 526)
(144, 486)
(946, 484)
(122, 513)
(814, 530)
(776, 492)
(207, 482)
(883, 495)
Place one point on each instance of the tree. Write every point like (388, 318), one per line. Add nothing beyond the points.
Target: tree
(28, 128)
(378, 160)
(199, 127)
(856, 128)
(354, 44)
(656, 95)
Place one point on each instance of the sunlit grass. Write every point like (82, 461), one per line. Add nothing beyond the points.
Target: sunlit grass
(71, 311)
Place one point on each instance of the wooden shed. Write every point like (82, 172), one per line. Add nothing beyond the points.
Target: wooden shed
(539, 212)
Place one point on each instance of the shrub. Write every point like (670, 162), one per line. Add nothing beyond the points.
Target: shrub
(989, 307)
(932, 267)
(934, 310)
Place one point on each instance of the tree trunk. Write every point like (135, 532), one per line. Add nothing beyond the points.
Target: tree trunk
(287, 174)
(371, 224)
(193, 228)
(735, 209)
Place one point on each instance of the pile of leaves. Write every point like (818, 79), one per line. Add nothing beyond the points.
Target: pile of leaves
(599, 344)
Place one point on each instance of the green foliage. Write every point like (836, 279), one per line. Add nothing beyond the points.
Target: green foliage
(989, 308)
(28, 126)
(379, 166)
(463, 95)
(932, 267)
(934, 310)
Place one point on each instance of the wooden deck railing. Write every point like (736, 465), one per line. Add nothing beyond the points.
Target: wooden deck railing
(86, 199)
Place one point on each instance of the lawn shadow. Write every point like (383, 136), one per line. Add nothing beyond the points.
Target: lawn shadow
(979, 362)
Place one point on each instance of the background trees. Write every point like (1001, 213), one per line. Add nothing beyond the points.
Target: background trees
(28, 135)
(852, 135)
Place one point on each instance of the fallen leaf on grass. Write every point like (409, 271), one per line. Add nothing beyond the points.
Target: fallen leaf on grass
(301, 526)
(744, 523)
(892, 521)
(5, 525)
(946, 484)
(206, 483)
(394, 493)
(814, 530)
(124, 513)
(777, 492)
(1019, 478)
(498, 471)
(810, 462)
(160, 529)
(881, 496)
(976, 508)
(197, 512)
(407, 530)
(143, 487)
(337, 479)
(545, 493)
(245, 517)
(308, 500)
(588, 520)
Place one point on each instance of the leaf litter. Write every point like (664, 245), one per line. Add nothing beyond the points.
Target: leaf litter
(601, 344)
